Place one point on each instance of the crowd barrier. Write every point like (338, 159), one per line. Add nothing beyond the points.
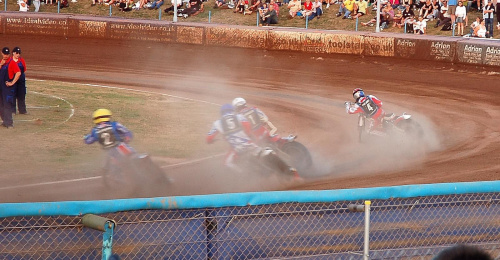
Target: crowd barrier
(406, 222)
(405, 46)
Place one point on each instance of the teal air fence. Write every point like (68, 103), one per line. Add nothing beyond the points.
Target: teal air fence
(406, 222)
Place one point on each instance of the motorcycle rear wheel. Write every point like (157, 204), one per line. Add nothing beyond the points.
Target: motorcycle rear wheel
(299, 155)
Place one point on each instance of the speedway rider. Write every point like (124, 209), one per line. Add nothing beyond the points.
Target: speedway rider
(370, 105)
(113, 137)
(259, 123)
(237, 132)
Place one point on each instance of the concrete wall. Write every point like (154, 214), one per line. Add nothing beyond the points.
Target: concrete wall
(431, 48)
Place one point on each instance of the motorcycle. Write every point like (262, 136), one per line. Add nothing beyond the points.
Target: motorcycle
(293, 152)
(136, 173)
(402, 125)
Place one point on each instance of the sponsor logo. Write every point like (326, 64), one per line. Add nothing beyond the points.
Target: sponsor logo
(441, 46)
(472, 48)
(406, 43)
(492, 50)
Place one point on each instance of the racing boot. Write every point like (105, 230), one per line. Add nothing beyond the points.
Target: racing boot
(295, 174)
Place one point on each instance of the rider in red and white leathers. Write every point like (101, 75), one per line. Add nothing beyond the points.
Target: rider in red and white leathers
(260, 123)
(370, 105)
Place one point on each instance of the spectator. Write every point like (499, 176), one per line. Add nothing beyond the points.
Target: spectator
(488, 12)
(308, 9)
(346, 7)
(404, 3)
(408, 18)
(179, 6)
(156, 4)
(480, 31)
(194, 8)
(452, 8)
(254, 6)
(420, 26)
(420, 3)
(436, 6)
(9, 75)
(125, 5)
(498, 15)
(294, 6)
(460, 14)
(394, 3)
(276, 7)
(263, 9)
(398, 19)
(444, 17)
(21, 82)
(426, 9)
(218, 3)
(475, 25)
(387, 16)
(317, 8)
(461, 252)
(241, 6)
(270, 17)
(23, 5)
(360, 8)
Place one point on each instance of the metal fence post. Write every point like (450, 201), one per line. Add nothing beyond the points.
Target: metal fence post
(58, 5)
(5, 1)
(366, 247)
(110, 10)
(405, 26)
(175, 12)
(257, 18)
(307, 21)
(209, 16)
(366, 209)
(105, 225)
(159, 14)
(357, 19)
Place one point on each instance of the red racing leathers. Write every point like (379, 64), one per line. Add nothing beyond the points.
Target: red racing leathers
(259, 122)
(371, 106)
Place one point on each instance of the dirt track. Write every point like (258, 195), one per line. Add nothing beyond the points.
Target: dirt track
(302, 94)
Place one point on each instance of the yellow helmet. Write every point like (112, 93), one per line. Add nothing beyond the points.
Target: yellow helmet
(101, 115)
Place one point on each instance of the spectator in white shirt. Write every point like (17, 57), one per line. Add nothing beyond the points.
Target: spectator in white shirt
(460, 14)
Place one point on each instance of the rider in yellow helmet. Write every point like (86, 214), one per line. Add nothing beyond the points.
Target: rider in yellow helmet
(113, 136)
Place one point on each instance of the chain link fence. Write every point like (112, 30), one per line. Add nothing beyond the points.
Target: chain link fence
(413, 228)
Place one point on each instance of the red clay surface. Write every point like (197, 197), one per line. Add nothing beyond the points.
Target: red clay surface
(302, 94)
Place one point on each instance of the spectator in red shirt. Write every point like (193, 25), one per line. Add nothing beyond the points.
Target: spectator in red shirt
(9, 75)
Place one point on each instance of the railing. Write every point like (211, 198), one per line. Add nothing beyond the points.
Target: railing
(268, 225)
(211, 15)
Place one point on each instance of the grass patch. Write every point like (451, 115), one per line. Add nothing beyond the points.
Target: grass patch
(226, 16)
(166, 127)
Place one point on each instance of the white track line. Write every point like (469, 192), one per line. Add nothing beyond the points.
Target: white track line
(192, 162)
(49, 183)
(100, 177)
(73, 112)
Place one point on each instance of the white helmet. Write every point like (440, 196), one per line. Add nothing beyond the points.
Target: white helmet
(239, 102)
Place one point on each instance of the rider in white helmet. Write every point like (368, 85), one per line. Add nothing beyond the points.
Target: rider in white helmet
(262, 129)
(237, 131)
